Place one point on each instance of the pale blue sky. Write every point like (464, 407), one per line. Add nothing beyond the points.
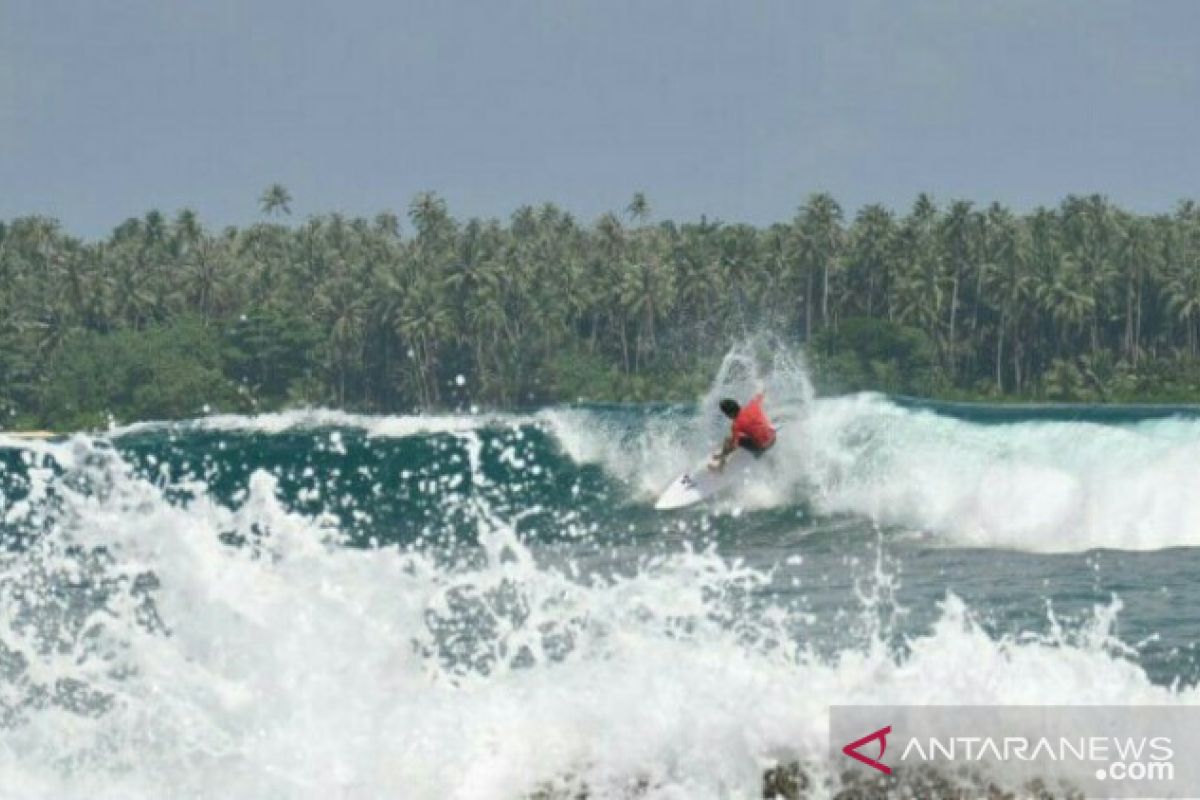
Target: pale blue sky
(733, 109)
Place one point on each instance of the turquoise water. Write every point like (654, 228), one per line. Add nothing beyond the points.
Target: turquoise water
(478, 605)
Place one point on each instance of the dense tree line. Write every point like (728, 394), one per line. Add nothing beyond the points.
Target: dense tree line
(163, 318)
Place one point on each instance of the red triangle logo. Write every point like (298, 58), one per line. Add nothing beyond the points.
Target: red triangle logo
(880, 735)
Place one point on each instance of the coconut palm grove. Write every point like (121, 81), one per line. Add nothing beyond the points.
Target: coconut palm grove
(165, 318)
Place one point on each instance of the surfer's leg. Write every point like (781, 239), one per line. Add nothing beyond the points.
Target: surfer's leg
(755, 449)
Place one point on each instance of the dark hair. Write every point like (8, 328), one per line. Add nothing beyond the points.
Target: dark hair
(730, 407)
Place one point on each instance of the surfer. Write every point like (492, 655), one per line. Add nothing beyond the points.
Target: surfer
(751, 430)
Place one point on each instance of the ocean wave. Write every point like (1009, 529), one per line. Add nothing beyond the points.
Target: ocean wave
(154, 648)
(1035, 486)
(390, 426)
(1038, 486)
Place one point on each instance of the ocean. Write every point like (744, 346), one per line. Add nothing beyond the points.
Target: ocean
(317, 604)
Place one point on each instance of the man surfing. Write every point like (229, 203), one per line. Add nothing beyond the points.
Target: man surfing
(751, 430)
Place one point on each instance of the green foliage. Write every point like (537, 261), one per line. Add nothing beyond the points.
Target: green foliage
(865, 353)
(127, 375)
(269, 351)
(579, 375)
(18, 377)
(1080, 302)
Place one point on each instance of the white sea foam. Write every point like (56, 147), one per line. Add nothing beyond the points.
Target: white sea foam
(651, 452)
(295, 667)
(315, 418)
(1037, 486)
(1043, 486)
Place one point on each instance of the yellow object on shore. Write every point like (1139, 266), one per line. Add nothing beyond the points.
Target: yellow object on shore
(31, 434)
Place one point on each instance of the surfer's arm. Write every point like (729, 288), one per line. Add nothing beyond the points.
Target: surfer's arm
(728, 446)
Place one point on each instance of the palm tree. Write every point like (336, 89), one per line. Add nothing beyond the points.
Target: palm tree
(638, 208)
(1067, 300)
(959, 231)
(1089, 227)
(1054, 300)
(821, 241)
(870, 258)
(341, 305)
(1137, 254)
(488, 319)
(919, 282)
(700, 279)
(275, 199)
(387, 224)
(1010, 285)
(424, 323)
(187, 231)
(205, 279)
(1182, 297)
(430, 218)
(646, 291)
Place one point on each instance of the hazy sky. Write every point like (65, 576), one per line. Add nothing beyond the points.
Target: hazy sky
(734, 109)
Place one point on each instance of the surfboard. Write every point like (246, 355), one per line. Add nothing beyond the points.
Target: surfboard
(700, 482)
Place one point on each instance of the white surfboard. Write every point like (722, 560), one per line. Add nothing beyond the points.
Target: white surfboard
(700, 482)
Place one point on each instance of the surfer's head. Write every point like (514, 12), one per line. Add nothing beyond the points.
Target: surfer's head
(730, 407)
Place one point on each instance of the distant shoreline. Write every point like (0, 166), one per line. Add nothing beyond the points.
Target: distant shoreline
(1080, 302)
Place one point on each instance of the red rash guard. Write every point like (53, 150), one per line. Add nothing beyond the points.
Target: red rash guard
(752, 424)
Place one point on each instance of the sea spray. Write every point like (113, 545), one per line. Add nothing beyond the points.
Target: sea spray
(1035, 486)
(168, 643)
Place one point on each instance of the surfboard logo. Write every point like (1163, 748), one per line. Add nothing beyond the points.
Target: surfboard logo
(880, 735)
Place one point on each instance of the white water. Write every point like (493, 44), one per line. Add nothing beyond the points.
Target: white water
(316, 418)
(296, 667)
(1034, 486)
(299, 668)
(649, 458)
(1038, 486)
